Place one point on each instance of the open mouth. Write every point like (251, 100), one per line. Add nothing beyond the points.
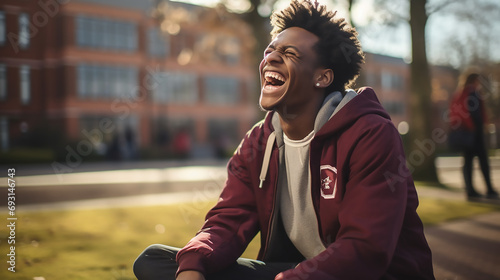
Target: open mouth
(273, 80)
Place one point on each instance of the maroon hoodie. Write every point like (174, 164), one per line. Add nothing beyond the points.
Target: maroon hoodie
(366, 215)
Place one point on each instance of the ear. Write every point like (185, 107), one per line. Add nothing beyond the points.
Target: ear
(323, 78)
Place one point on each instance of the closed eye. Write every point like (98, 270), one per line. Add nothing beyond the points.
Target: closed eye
(288, 51)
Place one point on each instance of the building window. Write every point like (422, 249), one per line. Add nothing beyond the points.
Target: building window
(106, 82)
(230, 51)
(3, 82)
(83, 81)
(176, 87)
(104, 33)
(25, 85)
(391, 81)
(372, 78)
(222, 90)
(397, 82)
(3, 28)
(157, 43)
(131, 30)
(385, 80)
(394, 107)
(82, 35)
(24, 33)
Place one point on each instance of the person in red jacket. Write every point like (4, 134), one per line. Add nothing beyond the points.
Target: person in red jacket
(323, 177)
(467, 113)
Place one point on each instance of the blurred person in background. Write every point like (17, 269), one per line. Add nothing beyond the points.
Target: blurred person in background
(182, 143)
(468, 115)
(321, 177)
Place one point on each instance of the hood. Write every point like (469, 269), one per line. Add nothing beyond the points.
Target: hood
(349, 111)
(332, 103)
(346, 109)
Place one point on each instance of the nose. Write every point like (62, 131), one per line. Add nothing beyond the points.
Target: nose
(273, 56)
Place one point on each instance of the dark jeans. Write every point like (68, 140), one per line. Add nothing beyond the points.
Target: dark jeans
(158, 262)
(478, 150)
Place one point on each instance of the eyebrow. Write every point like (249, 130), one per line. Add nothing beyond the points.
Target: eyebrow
(285, 47)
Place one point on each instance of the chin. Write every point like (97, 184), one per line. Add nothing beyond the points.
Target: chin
(270, 100)
(268, 103)
(265, 107)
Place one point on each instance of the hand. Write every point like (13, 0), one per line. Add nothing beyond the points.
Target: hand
(190, 275)
(279, 276)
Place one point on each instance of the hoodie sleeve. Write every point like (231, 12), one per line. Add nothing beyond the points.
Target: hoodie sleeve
(373, 207)
(229, 226)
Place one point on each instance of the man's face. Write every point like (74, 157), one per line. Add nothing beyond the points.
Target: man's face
(287, 70)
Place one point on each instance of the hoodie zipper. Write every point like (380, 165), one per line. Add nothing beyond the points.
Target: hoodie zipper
(272, 222)
(263, 173)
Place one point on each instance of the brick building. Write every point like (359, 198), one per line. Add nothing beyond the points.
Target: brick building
(105, 71)
(390, 78)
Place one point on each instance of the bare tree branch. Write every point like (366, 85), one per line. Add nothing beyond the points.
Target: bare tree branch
(438, 7)
(390, 12)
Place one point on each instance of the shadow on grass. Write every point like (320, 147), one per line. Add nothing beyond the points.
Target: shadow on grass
(437, 185)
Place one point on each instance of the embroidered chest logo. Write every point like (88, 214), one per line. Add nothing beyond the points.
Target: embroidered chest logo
(328, 181)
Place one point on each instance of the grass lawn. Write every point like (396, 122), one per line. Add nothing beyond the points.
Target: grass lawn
(102, 244)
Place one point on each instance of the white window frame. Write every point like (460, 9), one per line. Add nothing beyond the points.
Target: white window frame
(3, 28)
(25, 84)
(24, 31)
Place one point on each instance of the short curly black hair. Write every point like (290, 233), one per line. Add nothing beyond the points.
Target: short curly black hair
(338, 47)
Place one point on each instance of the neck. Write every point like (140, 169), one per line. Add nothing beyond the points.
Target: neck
(297, 124)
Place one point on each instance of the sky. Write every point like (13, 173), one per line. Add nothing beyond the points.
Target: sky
(396, 40)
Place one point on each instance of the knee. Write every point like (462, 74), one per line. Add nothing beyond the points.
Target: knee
(153, 259)
(140, 267)
(160, 250)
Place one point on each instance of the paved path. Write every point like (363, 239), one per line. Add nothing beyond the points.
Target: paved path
(467, 249)
(449, 171)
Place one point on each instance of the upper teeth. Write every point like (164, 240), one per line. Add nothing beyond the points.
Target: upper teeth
(274, 75)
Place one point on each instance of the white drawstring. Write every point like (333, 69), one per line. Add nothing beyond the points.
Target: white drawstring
(267, 157)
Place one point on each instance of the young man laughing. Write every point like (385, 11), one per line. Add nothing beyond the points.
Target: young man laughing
(315, 177)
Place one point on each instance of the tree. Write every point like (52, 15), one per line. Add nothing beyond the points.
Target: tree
(420, 97)
(421, 153)
(469, 38)
(257, 16)
(416, 13)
